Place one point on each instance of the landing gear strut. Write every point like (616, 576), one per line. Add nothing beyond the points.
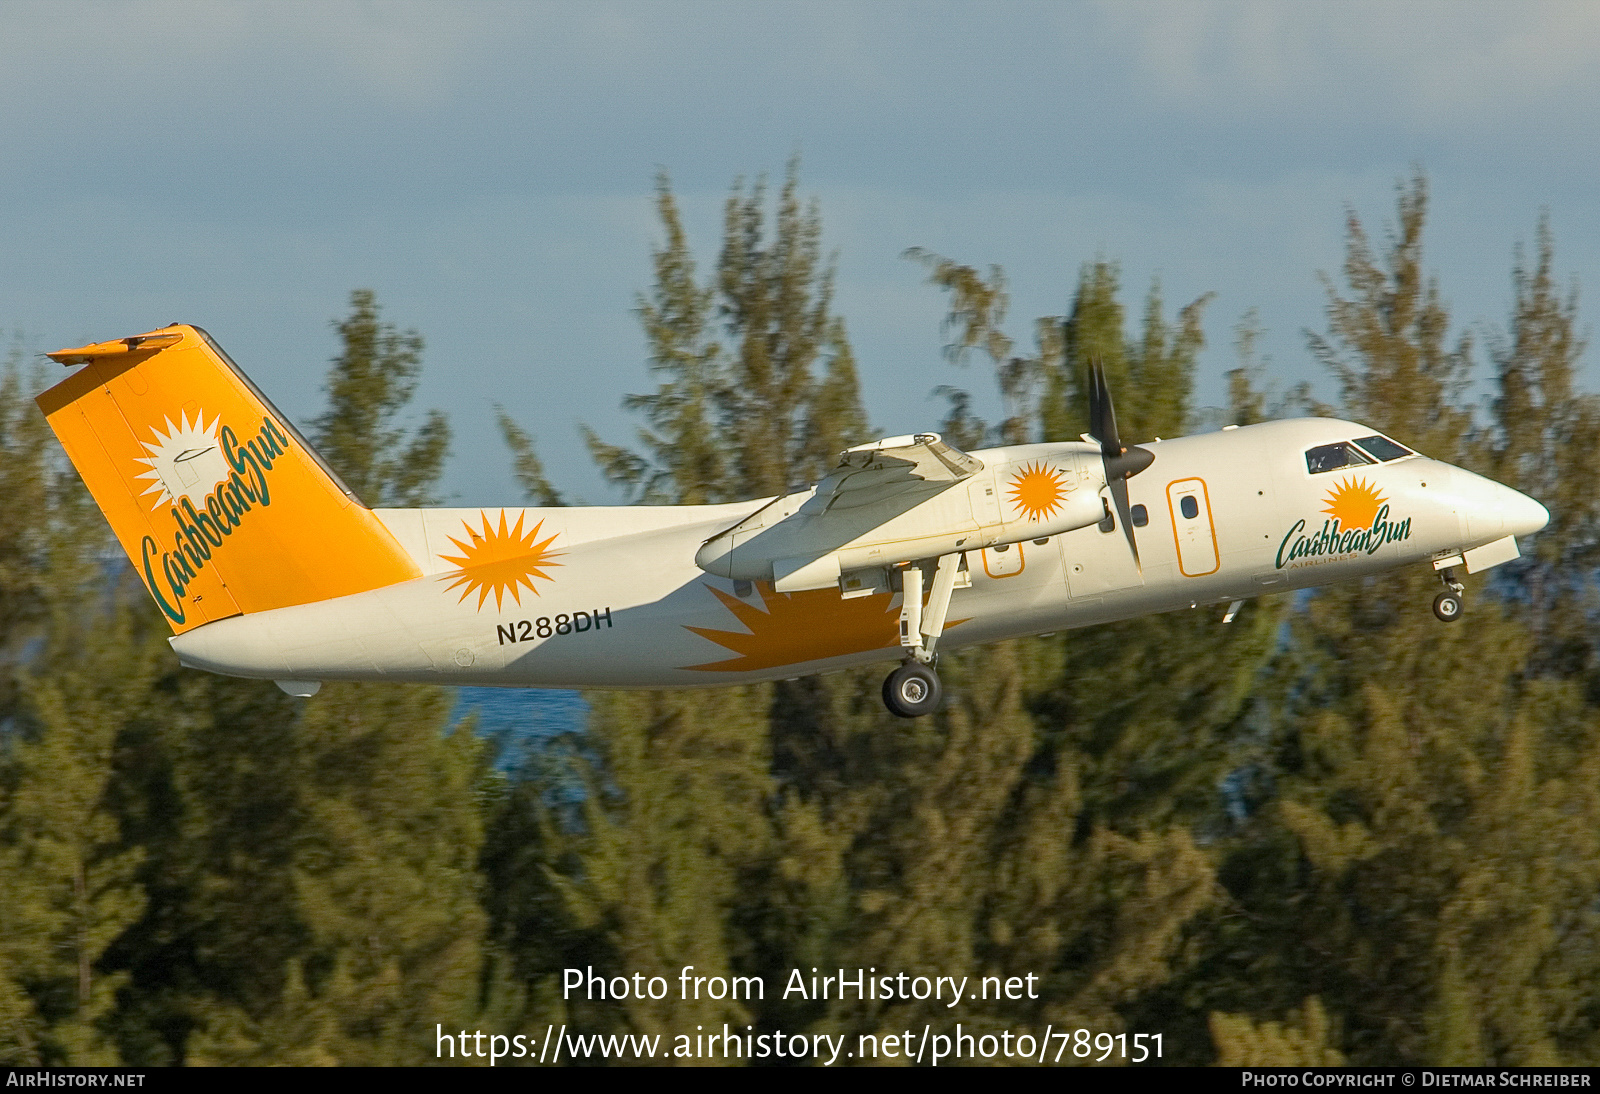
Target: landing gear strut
(1447, 606)
(913, 689)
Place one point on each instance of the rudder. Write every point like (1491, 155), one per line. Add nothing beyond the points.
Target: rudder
(220, 504)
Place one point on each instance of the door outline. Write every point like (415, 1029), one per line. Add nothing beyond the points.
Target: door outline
(1211, 526)
(1022, 563)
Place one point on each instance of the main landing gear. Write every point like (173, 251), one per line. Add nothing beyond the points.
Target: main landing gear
(913, 689)
(1447, 606)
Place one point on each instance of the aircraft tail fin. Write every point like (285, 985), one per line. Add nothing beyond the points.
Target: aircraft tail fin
(219, 502)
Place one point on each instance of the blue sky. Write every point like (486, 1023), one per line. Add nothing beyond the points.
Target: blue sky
(487, 169)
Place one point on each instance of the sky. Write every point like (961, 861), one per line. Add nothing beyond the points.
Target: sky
(488, 169)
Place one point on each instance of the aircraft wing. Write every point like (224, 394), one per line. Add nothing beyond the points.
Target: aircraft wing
(889, 473)
(793, 542)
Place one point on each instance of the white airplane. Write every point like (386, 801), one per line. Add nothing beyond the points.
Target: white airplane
(267, 566)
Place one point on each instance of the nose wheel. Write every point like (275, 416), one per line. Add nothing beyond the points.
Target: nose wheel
(912, 690)
(1447, 606)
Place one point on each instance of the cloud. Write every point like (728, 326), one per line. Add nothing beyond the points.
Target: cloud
(1455, 64)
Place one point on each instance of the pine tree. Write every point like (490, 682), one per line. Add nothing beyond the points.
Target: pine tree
(70, 884)
(744, 414)
(684, 456)
(1545, 441)
(76, 664)
(526, 466)
(311, 866)
(1426, 865)
(371, 383)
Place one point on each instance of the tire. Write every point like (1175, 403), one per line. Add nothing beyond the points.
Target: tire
(1447, 607)
(912, 690)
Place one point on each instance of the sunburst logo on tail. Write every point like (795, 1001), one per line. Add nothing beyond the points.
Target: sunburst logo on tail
(500, 560)
(1038, 490)
(185, 462)
(1354, 503)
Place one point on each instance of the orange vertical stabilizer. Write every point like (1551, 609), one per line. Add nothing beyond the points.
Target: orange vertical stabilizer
(218, 501)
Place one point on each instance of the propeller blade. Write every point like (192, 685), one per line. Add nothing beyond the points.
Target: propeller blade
(1119, 495)
(1097, 428)
(1102, 415)
(1121, 463)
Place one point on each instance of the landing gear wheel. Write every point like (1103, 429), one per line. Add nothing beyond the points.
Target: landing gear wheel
(912, 690)
(1447, 606)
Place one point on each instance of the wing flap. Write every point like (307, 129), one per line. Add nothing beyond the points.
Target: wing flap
(894, 474)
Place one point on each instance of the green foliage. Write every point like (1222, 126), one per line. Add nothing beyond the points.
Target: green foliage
(739, 410)
(371, 383)
(1329, 832)
(526, 466)
(1387, 341)
(68, 884)
(977, 311)
(1426, 865)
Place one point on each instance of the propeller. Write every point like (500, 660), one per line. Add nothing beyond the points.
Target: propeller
(1121, 462)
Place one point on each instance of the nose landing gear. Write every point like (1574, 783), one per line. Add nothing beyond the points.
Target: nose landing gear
(1447, 606)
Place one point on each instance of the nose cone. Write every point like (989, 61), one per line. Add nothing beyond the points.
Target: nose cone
(1493, 510)
(1522, 515)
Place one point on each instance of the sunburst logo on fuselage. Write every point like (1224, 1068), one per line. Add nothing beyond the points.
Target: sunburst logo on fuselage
(804, 626)
(796, 627)
(500, 560)
(1354, 503)
(1037, 491)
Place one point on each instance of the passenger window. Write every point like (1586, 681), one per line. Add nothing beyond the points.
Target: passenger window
(1189, 507)
(1383, 448)
(1141, 516)
(1331, 457)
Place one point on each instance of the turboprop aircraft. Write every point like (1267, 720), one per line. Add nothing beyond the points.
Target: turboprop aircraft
(266, 565)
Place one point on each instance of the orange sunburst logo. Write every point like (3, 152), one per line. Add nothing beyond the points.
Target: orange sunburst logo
(804, 626)
(1037, 490)
(1354, 503)
(796, 627)
(500, 560)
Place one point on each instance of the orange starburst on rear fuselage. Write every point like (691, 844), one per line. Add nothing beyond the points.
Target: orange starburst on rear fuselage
(500, 560)
(1354, 503)
(1038, 491)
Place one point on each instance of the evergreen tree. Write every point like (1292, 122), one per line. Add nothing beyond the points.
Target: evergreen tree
(526, 466)
(74, 668)
(310, 866)
(1545, 441)
(1408, 873)
(684, 454)
(68, 884)
(744, 415)
(371, 383)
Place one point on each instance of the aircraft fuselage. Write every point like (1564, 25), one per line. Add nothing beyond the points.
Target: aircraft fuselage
(613, 597)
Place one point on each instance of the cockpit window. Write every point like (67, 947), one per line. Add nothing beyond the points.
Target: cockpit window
(1383, 448)
(1331, 457)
